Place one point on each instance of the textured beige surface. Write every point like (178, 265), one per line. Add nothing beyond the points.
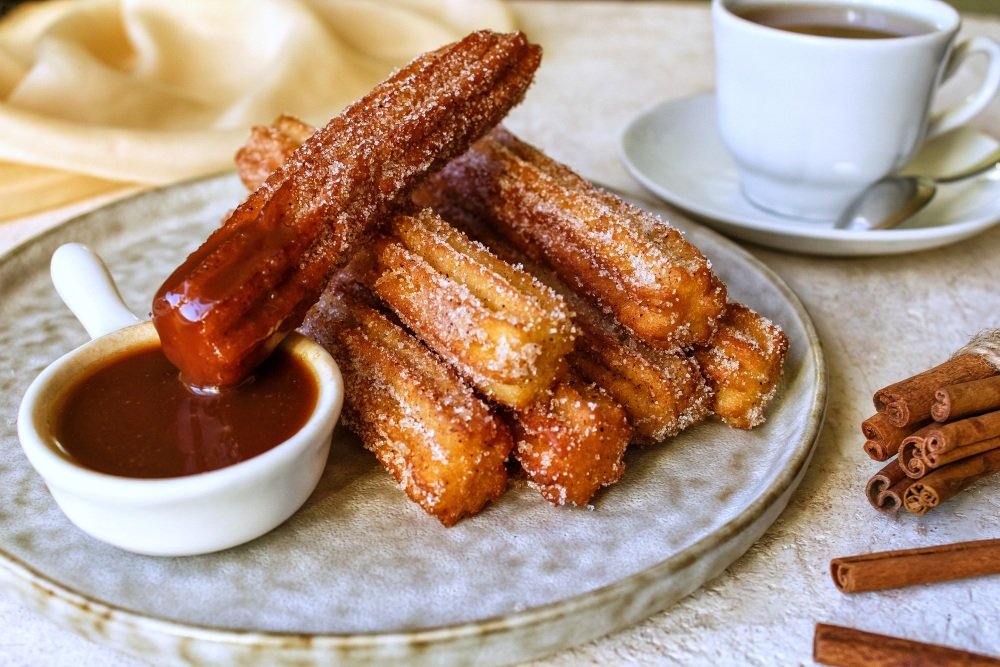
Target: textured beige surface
(879, 320)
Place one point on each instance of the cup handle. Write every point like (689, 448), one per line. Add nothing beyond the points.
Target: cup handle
(960, 114)
(85, 285)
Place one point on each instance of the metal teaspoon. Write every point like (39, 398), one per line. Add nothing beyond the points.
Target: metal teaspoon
(892, 200)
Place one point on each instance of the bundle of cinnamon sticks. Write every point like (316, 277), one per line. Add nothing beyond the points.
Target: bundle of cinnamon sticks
(939, 431)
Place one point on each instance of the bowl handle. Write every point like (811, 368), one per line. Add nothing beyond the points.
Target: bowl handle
(87, 288)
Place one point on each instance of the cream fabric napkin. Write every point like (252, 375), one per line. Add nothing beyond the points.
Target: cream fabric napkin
(100, 94)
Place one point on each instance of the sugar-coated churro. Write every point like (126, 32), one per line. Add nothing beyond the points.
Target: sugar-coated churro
(571, 441)
(503, 330)
(743, 364)
(631, 263)
(268, 147)
(663, 391)
(443, 445)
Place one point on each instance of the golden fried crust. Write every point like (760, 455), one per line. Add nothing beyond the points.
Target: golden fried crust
(223, 311)
(442, 444)
(743, 365)
(268, 147)
(571, 442)
(663, 392)
(633, 265)
(504, 331)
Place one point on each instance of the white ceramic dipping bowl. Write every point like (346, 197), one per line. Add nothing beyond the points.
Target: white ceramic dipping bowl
(187, 515)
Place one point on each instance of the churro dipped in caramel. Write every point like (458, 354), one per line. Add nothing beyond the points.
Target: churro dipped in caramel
(630, 263)
(442, 444)
(223, 311)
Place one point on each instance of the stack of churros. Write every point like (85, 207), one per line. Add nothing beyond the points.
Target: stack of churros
(507, 334)
(644, 272)
(514, 310)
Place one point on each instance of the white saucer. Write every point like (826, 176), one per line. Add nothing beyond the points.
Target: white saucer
(674, 150)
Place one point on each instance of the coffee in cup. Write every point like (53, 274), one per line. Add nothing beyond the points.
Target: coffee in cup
(817, 99)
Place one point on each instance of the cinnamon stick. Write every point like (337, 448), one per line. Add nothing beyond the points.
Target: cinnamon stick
(909, 401)
(967, 398)
(963, 451)
(909, 567)
(886, 487)
(882, 439)
(911, 453)
(943, 437)
(930, 491)
(847, 647)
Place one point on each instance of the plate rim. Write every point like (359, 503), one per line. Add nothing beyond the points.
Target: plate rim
(105, 614)
(793, 230)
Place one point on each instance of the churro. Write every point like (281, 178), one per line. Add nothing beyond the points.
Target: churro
(442, 444)
(225, 308)
(570, 443)
(662, 391)
(504, 331)
(268, 147)
(743, 364)
(629, 262)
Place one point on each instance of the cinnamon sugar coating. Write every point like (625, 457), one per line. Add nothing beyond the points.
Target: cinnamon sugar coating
(629, 262)
(503, 330)
(662, 391)
(743, 364)
(268, 147)
(571, 441)
(223, 311)
(443, 445)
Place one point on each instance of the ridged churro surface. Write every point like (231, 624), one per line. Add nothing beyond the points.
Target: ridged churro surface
(663, 391)
(503, 330)
(442, 444)
(743, 364)
(631, 263)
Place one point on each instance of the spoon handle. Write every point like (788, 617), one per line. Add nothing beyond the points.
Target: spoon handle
(991, 161)
(87, 288)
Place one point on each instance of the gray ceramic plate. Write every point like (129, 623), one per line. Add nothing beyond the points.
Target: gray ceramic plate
(360, 575)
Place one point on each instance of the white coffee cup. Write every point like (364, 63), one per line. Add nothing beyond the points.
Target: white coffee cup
(812, 120)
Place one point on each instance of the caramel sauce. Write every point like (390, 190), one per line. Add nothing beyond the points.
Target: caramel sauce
(133, 417)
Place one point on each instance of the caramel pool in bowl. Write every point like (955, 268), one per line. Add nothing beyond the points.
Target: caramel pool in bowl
(178, 515)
